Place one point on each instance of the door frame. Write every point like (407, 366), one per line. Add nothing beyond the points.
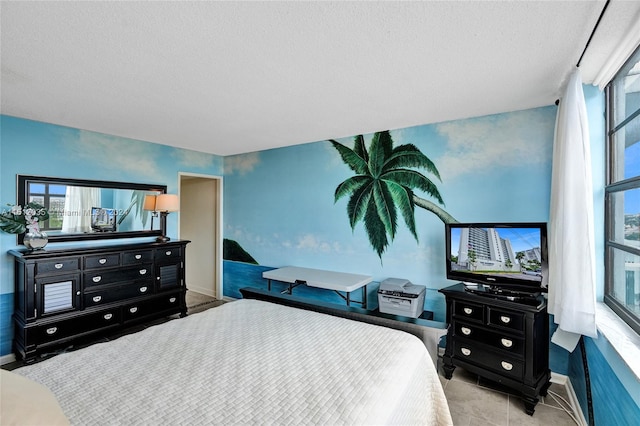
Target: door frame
(216, 215)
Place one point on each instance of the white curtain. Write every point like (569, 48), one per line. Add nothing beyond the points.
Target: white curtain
(77, 208)
(572, 275)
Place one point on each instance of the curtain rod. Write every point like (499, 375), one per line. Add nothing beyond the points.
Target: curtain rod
(606, 4)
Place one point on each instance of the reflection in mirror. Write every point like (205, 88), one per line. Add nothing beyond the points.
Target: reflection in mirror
(83, 209)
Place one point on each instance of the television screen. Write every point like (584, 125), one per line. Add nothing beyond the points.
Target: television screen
(103, 219)
(502, 256)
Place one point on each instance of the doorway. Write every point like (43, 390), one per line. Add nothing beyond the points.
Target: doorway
(201, 223)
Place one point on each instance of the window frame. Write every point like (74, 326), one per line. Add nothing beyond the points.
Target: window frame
(612, 187)
(46, 195)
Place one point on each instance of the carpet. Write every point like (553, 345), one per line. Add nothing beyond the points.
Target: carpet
(197, 302)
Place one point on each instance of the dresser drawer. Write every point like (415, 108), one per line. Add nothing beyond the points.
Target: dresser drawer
(58, 265)
(506, 319)
(472, 352)
(136, 257)
(114, 276)
(102, 261)
(497, 340)
(168, 253)
(112, 294)
(151, 306)
(464, 309)
(58, 330)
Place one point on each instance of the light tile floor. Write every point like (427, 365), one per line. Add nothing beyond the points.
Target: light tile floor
(475, 401)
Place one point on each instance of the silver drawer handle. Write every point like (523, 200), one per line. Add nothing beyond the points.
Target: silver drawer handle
(507, 365)
(143, 271)
(168, 252)
(465, 330)
(133, 310)
(102, 261)
(97, 298)
(506, 343)
(172, 300)
(138, 256)
(108, 316)
(465, 351)
(468, 311)
(52, 330)
(58, 265)
(505, 319)
(97, 279)
(143, 289)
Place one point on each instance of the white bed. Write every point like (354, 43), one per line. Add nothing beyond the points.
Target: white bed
(249, 362)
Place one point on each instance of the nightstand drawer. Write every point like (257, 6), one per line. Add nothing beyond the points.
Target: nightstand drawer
(502, 364)
(505, 318)
(494, 339)
(58, 330)
(106, 295)
(102, 261)
(136, 257)
(114, 276)
(464, 309)
(58, 265)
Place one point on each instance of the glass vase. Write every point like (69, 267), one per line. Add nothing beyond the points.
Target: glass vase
(35, 240)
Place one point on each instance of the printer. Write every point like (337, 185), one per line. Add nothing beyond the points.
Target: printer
(398, 296)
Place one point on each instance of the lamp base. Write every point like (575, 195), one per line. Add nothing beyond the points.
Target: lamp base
(163, 239)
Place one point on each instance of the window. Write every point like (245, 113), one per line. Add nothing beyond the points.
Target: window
(51, 196)
(622, 194)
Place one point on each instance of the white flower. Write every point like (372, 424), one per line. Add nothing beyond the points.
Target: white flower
(16, 210)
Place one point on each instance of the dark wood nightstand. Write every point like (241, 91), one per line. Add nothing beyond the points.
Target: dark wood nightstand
(504, 341)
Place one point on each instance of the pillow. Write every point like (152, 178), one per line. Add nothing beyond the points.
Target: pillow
(25, 402)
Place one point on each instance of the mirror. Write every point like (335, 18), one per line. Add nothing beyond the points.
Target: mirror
(90, 209)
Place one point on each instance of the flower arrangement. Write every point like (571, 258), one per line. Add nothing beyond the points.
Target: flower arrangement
(16, 219)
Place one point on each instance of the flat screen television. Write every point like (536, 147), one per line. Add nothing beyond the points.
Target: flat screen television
(103, 219)
(498, 257)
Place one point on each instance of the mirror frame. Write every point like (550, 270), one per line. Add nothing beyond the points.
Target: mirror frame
(23, 188)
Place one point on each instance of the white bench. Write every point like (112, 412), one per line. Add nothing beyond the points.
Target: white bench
(329, 280)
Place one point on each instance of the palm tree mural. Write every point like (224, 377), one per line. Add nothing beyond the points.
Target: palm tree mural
(137, 202)
(383, 186)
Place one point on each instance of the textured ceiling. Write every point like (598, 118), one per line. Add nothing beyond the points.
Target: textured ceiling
(234, 77)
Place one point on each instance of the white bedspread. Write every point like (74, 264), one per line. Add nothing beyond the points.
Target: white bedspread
(249, 362)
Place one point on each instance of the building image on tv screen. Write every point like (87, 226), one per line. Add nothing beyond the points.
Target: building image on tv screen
(102, 219)
(507, 252)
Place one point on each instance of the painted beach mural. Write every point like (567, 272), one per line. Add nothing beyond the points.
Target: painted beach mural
(376, 204)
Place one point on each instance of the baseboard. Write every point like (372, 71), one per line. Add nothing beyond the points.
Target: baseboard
(563, 380)
(7, 359)
(202, 290)
(229, 299)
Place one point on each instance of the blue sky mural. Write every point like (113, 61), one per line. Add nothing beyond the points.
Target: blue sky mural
(42, 149)
(279, 204)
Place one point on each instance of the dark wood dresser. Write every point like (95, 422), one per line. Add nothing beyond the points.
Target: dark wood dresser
(504, 341)
(65, 294)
